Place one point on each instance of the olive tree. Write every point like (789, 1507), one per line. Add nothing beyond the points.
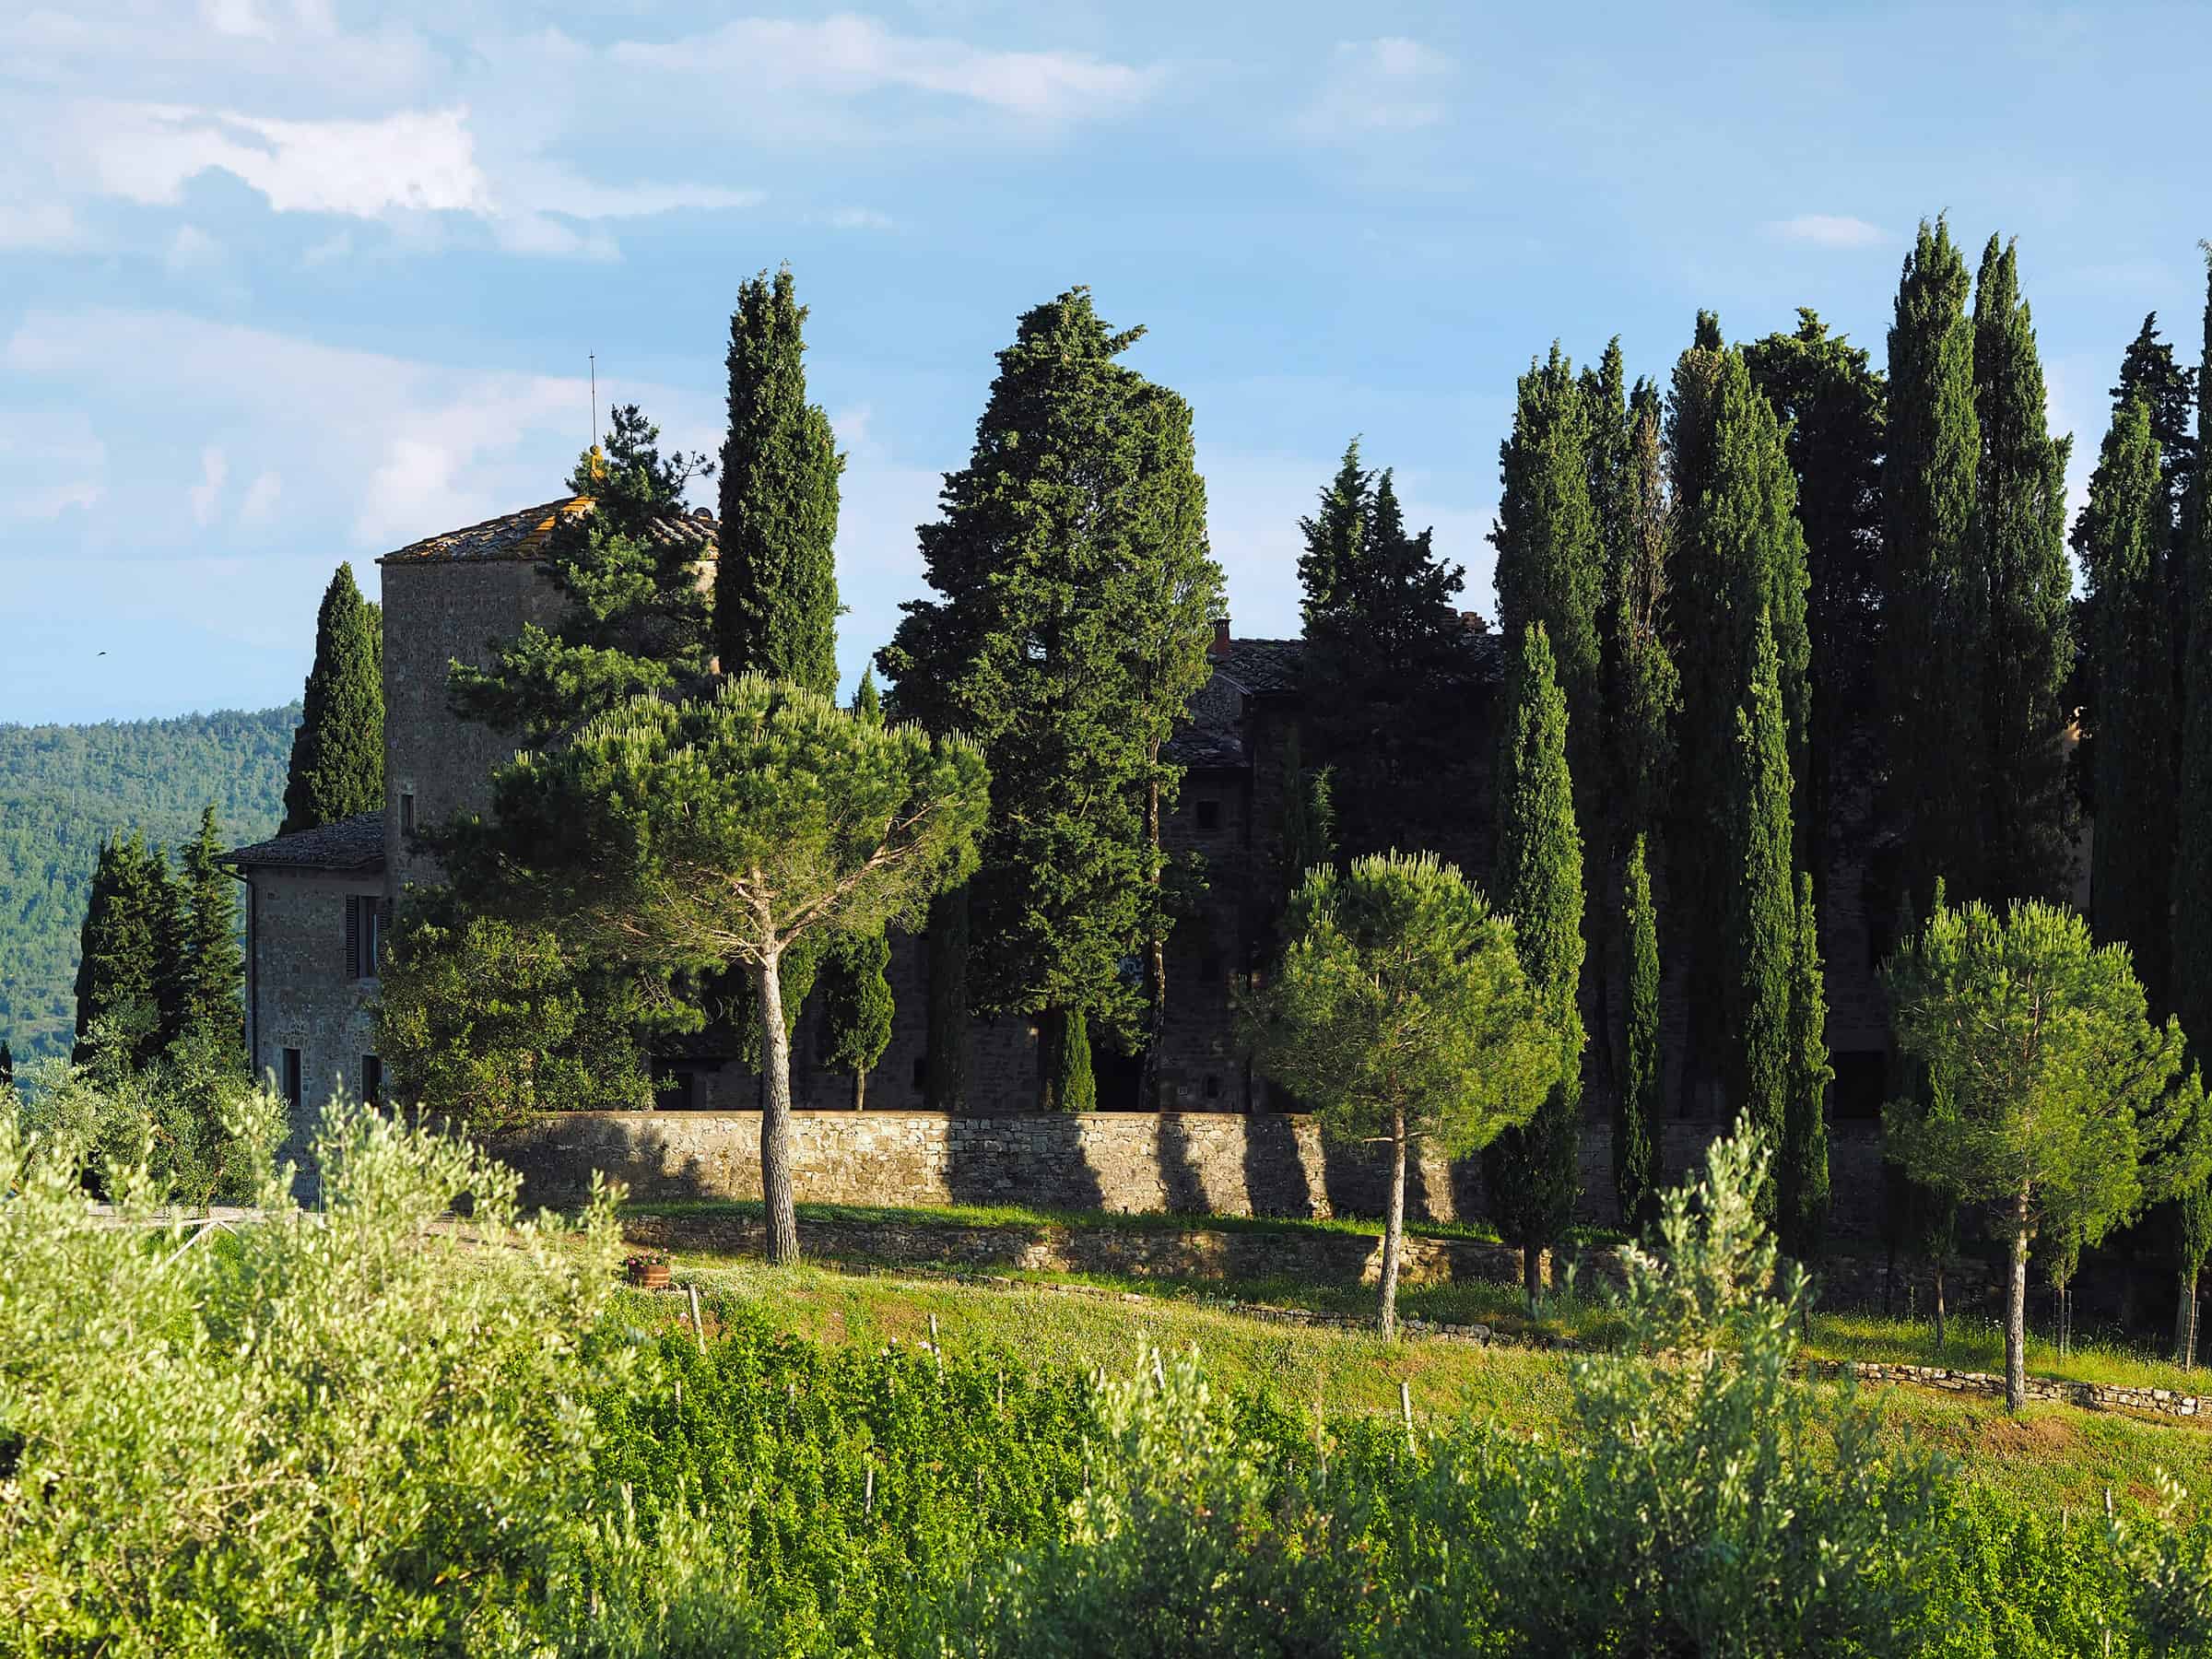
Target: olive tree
(1401, 1013)
(2051, 1096)
(726, 832)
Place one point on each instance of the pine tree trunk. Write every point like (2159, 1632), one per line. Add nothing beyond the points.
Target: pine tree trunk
(1393, 1226)
(775, 1118)
(1938, 1276)
(2189, 1352)
(2016, 1314)
(1532, 1275)
(860, 1088)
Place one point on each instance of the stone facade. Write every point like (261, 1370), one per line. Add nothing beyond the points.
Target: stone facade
(1222, 1163)
(301, 996)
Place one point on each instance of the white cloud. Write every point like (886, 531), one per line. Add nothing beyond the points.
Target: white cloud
(38, 226)
(422, 160)
(192, 252)
(213, 469)
(1831, 231)
(1391, 84)
(260, 503)
(851, 56)
(235, 18)
(860, 218)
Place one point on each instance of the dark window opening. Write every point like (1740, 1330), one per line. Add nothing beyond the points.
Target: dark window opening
(1213, 1087)
(1860, 1083)
(1208, 814)
(372, 1079)
(921, 1071)
(675, 1088)
(407, 814)
(291, 1075)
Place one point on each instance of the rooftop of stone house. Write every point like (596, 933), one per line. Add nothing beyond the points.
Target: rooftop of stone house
(351, 844)
(523, 535)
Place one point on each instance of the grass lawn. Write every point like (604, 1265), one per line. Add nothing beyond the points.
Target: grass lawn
(2052, 1456)
(1978, 1344)
(1020, 1216)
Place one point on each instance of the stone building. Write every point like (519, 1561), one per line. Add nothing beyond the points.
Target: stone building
(320, 902)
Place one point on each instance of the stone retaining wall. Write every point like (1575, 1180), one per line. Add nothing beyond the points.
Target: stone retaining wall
(1187, 1162)
(2096, 1396)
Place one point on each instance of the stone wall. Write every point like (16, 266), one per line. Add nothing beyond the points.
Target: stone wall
(1223, 1164)
(298, 993)
(437, 610)
(2096, 1396)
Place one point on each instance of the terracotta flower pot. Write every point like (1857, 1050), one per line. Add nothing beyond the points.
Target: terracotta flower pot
(648, 1275)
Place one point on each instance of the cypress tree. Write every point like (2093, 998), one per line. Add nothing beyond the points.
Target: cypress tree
(1802, 1169)
(2122, 531)
(2020, 487)
(211, 971)
(1762, 920)
(1933, 610)
(338, 752)
(1739, 568)
(1535, 1172)
(1550, 565)
(7, 1066)
(866, 703)
(1074, 592)
(1646, 689)
(775, 586)
(1831, 401)
(129, 937)
(853, 995)
(1070, 1085)
(1637, 1107)
(2193, 862)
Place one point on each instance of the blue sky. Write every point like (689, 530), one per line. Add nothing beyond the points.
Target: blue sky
(284, 282)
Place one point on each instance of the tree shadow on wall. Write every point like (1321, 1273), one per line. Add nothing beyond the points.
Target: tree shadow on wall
(1037, 1159)
(558, 1156)
(1274, 1175)
(1181, 1186)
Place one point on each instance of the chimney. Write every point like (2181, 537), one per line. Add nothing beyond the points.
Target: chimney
(1220, 646)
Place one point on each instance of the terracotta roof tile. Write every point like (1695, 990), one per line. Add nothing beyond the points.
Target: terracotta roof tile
(354, 843)
(523, 535)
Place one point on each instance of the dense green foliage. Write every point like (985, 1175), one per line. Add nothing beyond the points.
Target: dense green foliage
(374, 1435)
(484, 1023)
(1384, 666)
(1638, 1106)
(1645, 688)
(2123, 541)
(1833, 403)
(1551, 550)
(1074, 593)
(2193, 857)
(2049, 1094)
(1762, 909)
(63, 790)
(133, 924)
(1935, 612)
(775, 586)
(1800, 1181)
(337, 768)
(856, 1003)
(2029, 817)
(1402, 1011)
(1738, 555)
(1534, 1168)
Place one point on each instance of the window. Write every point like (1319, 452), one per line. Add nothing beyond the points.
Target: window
(1213, 1087)
(406, 813)
(372, 1081)
(290, 1078)
(366, 916)
(921, 1071)
(1208, 814)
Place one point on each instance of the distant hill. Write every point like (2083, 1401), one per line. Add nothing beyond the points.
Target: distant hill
(62, 787)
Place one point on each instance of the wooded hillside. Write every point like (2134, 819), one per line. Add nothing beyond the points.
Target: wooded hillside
(62, 787)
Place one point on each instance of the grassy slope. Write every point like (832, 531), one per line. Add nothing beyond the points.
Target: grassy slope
(2052, 1457)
